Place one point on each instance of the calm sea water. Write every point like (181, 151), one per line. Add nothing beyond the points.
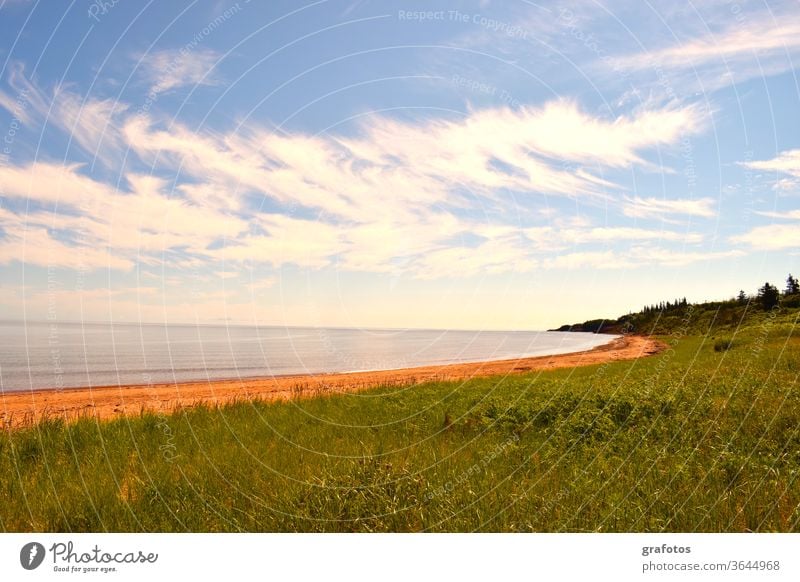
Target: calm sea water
(55, 355)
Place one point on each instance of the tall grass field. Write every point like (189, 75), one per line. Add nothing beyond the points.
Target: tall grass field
(703, 437)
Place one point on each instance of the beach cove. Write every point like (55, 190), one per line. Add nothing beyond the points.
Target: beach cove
(23, 408)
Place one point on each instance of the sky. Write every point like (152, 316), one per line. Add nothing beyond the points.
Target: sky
(460, 165)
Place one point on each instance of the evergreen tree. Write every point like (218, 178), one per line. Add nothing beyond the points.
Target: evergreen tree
(741, 298)
(792, 286)
(769, 296)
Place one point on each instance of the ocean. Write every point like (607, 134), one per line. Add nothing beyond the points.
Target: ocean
(60, 355)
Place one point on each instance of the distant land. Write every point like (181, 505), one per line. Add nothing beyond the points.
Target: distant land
(666, 316)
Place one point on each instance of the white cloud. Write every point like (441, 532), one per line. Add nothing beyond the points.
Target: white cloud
(518, 250)
(776, 236)
(787, 162)
(142, 223)
(287, 240)
(773, 237)
(786, 215)
(91, 123)
(395, 191)
(745, 48)
(411, 165)
(764, 38)
(657, 207)
(499, 255)
(393, 197)
(15, 105)
(26, 101)
(555, 148)
(145, 224)
(785, 186)
(35, 245)
(170, 69)
(609, 234)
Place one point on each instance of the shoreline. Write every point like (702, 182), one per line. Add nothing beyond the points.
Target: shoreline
(25, 408)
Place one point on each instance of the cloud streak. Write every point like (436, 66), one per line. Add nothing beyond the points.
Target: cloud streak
(746, 48)
(638, 207)
(171, 69)
(787, 162)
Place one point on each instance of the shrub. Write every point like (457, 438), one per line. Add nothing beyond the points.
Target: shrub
(723, 345)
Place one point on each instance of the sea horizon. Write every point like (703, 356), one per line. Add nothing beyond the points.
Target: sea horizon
(266, 325)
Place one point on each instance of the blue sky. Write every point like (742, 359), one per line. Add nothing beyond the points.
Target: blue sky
(485, 165)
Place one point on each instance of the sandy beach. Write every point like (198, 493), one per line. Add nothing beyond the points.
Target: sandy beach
(27, 407)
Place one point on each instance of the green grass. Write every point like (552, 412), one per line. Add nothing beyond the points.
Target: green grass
(694, 439)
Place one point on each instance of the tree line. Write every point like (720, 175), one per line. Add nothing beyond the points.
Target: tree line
(768, 295)
(665, 306)
(663, 317)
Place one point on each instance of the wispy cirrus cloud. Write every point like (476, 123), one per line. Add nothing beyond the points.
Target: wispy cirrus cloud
(15, 105)
(608, 234)
(553, 149)
(787, 162)
(773, 237)
(786, 167)
(91, 123)
(729, 50)
(396, 190)
(390, 196)
(788, 215)
(764, 38)
(170, 69)
(638, 207)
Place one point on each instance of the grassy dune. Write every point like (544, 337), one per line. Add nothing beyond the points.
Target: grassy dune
(703, 437)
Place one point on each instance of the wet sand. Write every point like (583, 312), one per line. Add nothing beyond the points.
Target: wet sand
(27, 407)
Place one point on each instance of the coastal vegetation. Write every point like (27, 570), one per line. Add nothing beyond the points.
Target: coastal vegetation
(666, 316)
(704, 436)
